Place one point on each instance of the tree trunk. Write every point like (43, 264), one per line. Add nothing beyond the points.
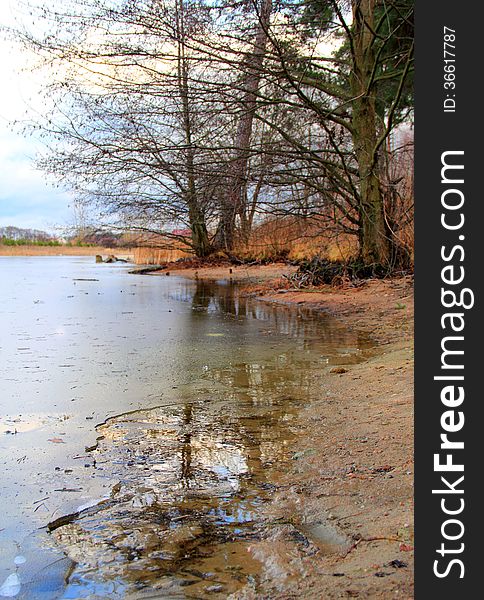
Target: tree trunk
(200, 240)
(373, 233)
(235, 201)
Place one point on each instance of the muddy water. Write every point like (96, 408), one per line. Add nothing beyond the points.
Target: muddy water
(145, 422)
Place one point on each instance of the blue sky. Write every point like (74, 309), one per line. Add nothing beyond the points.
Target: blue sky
(27, 199)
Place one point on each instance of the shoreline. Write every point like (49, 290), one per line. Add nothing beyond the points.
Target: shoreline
(29, 251)
(353, 461)
(336, 520)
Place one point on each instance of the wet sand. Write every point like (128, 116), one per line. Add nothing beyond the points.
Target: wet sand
(352, 456)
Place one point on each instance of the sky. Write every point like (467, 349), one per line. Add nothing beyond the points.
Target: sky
(26, 198)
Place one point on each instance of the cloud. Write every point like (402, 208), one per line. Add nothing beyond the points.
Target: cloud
(26, 197)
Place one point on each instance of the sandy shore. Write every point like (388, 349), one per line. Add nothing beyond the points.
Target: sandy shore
(270, 275)
(353, 461)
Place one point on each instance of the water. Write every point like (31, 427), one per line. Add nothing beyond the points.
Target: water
(158, 412)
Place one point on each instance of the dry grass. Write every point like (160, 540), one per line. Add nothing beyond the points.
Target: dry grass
(274, 239)
(294, 238)
(63, 251)
(158, 256)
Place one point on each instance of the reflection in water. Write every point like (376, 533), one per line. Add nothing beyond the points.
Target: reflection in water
(186, 449)
(193, 481)
(173, 495)
(194, 477)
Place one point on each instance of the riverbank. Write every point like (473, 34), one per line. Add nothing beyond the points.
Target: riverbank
(353, 460)
(6, 250)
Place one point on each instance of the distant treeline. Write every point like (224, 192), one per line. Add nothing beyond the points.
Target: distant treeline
(16, 236)
(5, 241)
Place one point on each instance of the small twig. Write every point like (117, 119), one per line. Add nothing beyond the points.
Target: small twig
(41, 500)
(371, 539)
(349, 516)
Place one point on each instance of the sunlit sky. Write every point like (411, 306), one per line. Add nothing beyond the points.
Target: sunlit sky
(26, 199)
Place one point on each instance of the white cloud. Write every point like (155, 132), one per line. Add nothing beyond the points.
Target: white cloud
(26, 198)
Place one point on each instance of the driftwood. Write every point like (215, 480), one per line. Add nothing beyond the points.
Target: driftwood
(147, 269)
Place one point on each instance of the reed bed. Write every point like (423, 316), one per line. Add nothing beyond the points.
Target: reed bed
(64, 251)
(156, 256)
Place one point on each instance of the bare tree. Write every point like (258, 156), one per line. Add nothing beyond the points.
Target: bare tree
(127, 123)
(235, 202)
(353, 96)
(189, 114)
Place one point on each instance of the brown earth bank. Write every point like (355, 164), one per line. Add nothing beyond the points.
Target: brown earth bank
(352, 468)
(6, 250)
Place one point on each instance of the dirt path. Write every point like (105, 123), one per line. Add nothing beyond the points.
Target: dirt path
(353, 463)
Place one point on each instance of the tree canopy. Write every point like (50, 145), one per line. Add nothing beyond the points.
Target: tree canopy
(168, 114)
